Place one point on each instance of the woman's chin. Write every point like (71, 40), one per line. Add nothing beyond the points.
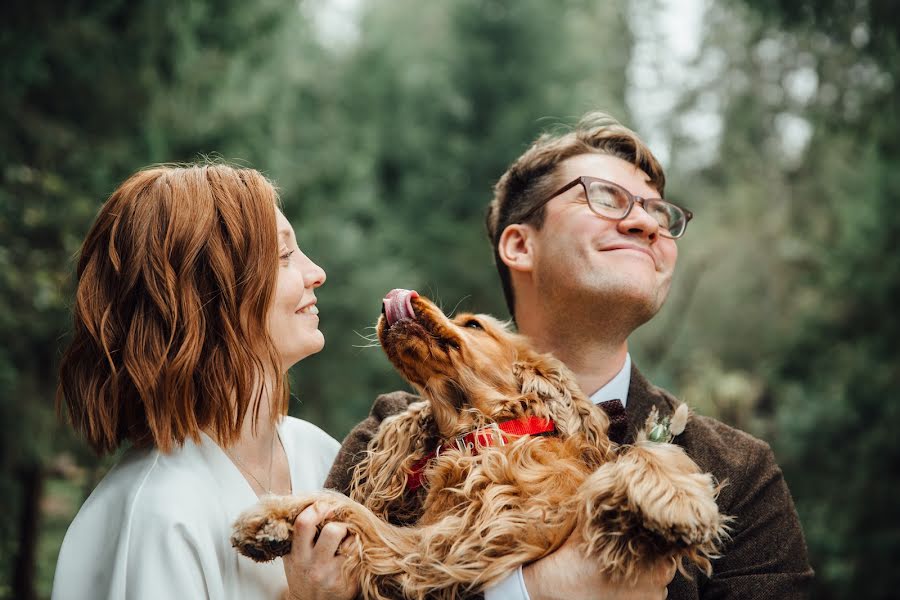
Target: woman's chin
(312, 346)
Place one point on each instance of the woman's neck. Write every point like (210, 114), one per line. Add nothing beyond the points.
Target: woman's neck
(258, 453)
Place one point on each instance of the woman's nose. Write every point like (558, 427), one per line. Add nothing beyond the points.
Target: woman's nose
(313, 275)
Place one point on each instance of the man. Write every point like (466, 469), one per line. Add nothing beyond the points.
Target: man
(585, 247)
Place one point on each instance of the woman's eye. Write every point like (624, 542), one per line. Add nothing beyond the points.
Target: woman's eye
(286, 255)
(473, 324)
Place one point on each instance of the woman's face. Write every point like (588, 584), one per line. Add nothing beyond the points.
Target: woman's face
(293, 319)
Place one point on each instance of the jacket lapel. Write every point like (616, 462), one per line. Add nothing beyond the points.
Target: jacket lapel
(642, 397)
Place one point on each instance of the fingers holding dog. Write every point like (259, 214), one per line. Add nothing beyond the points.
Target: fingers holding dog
(306, 528)
(568, 573)
(314, 567)
(662, 574)
(330, 538)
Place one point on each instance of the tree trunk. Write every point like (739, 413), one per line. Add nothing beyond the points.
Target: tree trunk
(31, 478)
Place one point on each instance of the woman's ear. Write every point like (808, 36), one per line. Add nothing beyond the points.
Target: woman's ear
(515, 247)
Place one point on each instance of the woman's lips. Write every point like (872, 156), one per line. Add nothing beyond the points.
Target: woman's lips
(308, 309)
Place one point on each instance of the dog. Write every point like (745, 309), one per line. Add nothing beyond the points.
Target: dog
(501, 462)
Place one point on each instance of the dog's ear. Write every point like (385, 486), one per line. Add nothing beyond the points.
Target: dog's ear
(543, 377)
(570, 409)
(446, 399)
(379, 479)
(445, 392)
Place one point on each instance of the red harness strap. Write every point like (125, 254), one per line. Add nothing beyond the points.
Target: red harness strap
(486, 436)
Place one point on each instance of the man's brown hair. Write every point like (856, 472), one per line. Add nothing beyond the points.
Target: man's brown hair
(175, 280)
(533, 176)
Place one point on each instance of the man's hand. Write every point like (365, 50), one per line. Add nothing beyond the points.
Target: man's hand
(313, 567)
(568, 574)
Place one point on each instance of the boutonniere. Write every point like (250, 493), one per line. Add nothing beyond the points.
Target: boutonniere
(664, 430)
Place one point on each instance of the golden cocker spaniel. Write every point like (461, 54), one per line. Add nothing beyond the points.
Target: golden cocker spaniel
(452, 496)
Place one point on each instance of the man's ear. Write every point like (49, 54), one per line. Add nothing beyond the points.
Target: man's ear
(516, 247)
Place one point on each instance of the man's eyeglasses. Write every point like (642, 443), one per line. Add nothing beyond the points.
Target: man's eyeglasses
(611, 201)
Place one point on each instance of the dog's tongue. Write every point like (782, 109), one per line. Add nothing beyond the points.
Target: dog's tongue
(398, 305)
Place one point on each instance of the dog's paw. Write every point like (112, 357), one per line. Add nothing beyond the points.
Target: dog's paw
(265, 531)
(653, 501)
(674, 498)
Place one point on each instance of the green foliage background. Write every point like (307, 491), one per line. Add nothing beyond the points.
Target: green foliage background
(385, 141)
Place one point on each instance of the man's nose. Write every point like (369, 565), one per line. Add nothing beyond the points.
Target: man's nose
(639, 222)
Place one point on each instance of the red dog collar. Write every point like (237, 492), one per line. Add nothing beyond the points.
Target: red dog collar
(486, 436)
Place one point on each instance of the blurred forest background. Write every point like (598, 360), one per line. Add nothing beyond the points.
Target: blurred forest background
(385, 124)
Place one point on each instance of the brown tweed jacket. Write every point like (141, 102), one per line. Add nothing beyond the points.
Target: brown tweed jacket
(766, 556)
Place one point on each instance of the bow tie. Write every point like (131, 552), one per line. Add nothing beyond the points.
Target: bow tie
(618, 421)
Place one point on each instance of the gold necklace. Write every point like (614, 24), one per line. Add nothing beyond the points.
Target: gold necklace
(267, 489)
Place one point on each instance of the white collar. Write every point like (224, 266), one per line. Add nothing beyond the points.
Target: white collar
(617, 388)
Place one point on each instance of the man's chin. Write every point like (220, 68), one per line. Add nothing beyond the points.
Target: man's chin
(630, 304)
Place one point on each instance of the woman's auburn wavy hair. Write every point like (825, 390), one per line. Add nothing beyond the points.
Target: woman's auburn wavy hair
(175, 280)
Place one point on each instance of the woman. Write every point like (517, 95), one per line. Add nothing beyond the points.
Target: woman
(193, 301)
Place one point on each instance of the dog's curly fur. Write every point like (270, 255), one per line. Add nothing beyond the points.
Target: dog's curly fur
(484, 511)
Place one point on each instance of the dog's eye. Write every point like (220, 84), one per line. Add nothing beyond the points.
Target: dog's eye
(473, 323)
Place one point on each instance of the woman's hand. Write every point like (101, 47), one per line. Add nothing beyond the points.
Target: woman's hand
(313, 567)
(568, 574)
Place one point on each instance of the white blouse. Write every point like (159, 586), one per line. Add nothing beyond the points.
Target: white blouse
(159, 525)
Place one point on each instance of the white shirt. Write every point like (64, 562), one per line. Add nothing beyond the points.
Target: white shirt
(513, 587)
(159, 525)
